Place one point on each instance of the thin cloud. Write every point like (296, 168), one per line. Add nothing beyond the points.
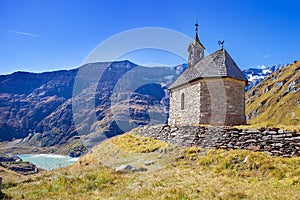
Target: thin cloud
(23, 33)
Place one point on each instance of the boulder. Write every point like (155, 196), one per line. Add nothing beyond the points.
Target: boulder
(149, 162)
(125, 168)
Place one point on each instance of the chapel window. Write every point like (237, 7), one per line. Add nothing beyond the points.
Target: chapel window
(182, 101)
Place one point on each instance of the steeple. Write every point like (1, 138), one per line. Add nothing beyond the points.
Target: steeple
(196, 39)
(196, 49)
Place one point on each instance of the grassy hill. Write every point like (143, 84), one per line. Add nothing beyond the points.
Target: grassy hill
(164, 171)
(276, 100)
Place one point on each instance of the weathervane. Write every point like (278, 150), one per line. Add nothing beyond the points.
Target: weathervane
(221, 43)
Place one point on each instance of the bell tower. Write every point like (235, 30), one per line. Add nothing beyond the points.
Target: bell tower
(195, 50)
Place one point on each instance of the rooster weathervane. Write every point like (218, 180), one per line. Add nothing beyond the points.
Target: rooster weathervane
(221, 43)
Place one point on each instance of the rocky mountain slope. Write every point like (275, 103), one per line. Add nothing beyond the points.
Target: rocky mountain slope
(276, 100)
(39, 108)
(256, 75)
(27, 98)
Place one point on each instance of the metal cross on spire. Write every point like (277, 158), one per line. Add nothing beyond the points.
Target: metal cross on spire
(196, 25)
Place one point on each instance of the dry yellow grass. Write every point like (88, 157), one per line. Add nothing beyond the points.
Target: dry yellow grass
(9, 176)
(183, 173)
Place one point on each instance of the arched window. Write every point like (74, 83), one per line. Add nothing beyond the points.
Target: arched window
(198, 53)
(182, 101)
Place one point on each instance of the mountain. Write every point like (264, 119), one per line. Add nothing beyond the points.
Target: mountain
(276, 99)
(54, 108)
(256, 75)
(27, 98)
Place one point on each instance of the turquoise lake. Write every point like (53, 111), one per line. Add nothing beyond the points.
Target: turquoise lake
(48, 161)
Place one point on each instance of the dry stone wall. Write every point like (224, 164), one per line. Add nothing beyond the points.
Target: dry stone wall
(273, 141)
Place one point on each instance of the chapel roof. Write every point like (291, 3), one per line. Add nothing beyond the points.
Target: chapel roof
(218, 64)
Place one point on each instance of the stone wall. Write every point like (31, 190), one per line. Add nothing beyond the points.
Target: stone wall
(190, 114)
(235, 101)
(273, 141)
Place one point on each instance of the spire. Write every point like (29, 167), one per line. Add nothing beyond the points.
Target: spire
(196, 49)
(196, 25)
(196, 39)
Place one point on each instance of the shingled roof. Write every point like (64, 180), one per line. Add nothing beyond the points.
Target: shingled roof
(217, 64)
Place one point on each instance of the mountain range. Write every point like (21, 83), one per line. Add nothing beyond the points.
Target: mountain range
(48, 109)
(96, 101)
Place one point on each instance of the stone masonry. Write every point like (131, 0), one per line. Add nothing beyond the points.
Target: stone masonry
(209, 101)
(273, 140)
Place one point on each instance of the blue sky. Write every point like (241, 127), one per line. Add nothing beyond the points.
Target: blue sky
(48, 35)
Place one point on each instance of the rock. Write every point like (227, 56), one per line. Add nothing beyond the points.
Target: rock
(251, 141)
(264, 138)
(24, 168)
(173, 134)
(277, 145)
(281, 131)
(278, 136)
(150, 162)
(276, 152)
(125, 168)
(253, 148)
(271, 132)
(246, 159)
(262, 102)
(274, 129)
(74, 153)
(262, 129)
(7, 158)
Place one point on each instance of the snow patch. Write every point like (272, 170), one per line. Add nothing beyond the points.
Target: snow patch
(254, 78)
(267, 71)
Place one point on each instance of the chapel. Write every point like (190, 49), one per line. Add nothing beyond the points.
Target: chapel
(211, 91)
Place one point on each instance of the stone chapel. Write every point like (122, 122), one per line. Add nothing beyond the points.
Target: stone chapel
(211, 91)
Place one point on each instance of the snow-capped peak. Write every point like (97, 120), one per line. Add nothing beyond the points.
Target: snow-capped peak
(256, 75)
